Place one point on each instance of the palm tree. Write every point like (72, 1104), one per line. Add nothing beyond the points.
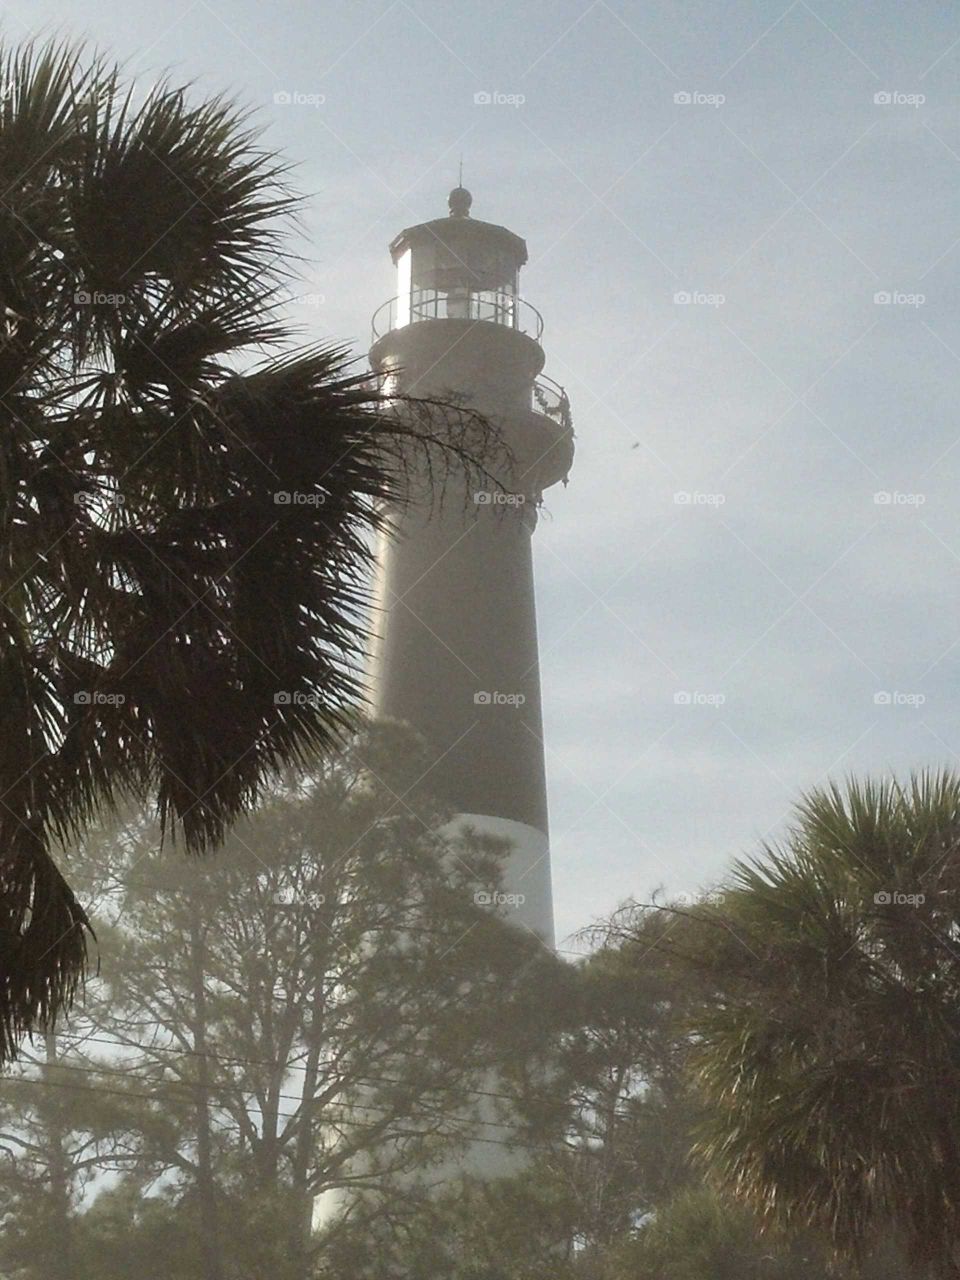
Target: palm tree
(827, 1050)
(185, 499)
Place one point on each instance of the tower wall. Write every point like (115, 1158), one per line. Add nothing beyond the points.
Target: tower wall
(457, 652)
(458, 661)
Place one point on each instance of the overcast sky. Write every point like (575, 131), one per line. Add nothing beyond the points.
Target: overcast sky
(780, 164)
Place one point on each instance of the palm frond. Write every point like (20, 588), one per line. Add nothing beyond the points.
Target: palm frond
(185, 549)
(828, 1056)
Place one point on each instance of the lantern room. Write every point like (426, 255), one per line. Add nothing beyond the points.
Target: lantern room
(457, 268)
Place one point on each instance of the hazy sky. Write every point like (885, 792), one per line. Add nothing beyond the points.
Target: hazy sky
(815, 166)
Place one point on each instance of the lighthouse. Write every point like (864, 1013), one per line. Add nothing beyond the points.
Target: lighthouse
(457, 652)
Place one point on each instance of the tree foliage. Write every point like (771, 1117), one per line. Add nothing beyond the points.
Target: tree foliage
(827, 1056)
(314, 1009)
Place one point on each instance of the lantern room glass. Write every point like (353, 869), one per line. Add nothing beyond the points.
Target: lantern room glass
(437, 281)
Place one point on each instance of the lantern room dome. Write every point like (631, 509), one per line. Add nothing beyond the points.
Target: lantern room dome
(482, 248)
(459, 201)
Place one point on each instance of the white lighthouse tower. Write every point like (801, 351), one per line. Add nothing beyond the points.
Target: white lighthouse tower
(457, 656)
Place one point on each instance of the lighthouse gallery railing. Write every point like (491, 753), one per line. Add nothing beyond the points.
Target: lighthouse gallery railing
(489, 305)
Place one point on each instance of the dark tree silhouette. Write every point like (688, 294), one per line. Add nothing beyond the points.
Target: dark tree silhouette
(183, 547)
